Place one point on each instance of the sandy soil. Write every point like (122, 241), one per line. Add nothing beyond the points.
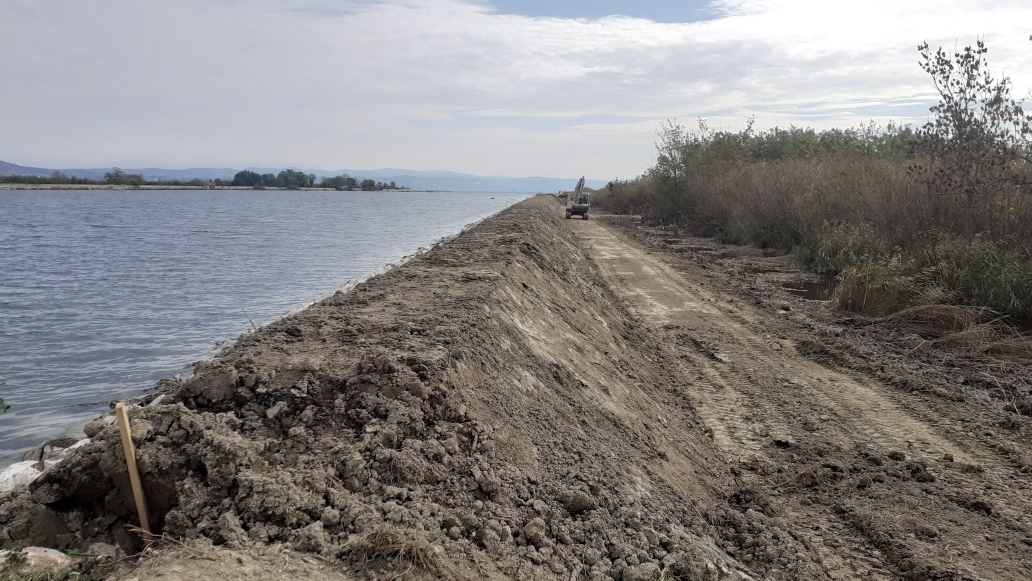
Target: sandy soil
(883, 472)
(549, 399)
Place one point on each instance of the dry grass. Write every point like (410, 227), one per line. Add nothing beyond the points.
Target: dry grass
(939, 320)
(876, 288)
(407, 466)
(406, 552)
(971, 331)
(995, 337)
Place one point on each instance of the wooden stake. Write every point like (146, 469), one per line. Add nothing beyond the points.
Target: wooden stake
(130, 462)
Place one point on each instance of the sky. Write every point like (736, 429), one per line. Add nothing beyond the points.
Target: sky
(489, 87)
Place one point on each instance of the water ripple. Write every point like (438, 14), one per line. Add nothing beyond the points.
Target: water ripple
(102, 293)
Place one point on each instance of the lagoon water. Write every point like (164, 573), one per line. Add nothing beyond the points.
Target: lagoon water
(102, 293)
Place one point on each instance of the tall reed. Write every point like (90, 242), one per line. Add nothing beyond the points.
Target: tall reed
(864, 212)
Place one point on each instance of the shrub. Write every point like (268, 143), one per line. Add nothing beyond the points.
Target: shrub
(834, 248)
(977, 140)
(878, 287)
(625, 197)
(946, 270)
(938, 216)
(979, 272)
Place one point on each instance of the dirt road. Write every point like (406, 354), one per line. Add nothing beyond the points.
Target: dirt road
(874, 488)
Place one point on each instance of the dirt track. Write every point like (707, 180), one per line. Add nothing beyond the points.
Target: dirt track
(815, 445)
(550, 399)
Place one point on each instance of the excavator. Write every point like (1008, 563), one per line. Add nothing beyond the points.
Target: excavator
(578, 202)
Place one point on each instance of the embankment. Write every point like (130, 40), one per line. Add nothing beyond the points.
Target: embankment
(548, 399)
(488, 410)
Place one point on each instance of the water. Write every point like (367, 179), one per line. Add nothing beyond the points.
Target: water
(102, 293)
(813, 290)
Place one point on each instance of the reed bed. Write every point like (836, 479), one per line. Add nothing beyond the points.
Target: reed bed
(867, 216)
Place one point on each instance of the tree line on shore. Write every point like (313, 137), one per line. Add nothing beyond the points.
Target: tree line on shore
(940, 214)
(116, 177)
(289, 179)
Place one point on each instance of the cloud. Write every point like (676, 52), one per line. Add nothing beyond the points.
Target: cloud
(449, 84)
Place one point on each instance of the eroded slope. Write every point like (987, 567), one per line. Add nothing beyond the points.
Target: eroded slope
(488, 410)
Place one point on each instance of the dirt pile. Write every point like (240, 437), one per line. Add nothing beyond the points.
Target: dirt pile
(488, 410)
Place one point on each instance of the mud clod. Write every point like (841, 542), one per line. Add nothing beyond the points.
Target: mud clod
(643, 572)
(577, 502)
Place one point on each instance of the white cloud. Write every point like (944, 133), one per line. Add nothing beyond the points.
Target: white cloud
(448, 84)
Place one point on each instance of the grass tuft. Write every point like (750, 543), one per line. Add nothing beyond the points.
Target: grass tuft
(945, 270)
(405, 551)
(833, 248)
(936, 321)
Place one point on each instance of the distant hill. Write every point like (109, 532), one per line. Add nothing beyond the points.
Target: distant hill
(415, 179)
(9, 169)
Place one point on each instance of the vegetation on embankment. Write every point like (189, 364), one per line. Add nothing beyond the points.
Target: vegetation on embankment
(941, 214)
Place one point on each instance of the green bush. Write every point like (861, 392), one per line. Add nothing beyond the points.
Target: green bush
(979, 273)
(878, 287)
(834, 248)
(946, 270)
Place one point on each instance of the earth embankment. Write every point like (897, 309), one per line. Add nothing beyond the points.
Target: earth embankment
(543, 399)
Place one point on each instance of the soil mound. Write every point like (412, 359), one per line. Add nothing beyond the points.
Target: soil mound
(488, 410)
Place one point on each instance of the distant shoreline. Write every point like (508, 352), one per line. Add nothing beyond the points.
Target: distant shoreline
(182, 187)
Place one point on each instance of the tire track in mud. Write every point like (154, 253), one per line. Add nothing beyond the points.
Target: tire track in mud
(764, 403)
(668, 300)
(661, 295)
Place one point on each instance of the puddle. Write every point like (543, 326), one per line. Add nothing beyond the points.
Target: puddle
(811, 290)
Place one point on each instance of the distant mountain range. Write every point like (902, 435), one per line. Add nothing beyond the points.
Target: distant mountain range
(417, 180)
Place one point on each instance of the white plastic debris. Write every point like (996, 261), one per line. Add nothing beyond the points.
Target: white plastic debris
(18, 474)
(21, 473)
(44, 557)
(39, 557)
